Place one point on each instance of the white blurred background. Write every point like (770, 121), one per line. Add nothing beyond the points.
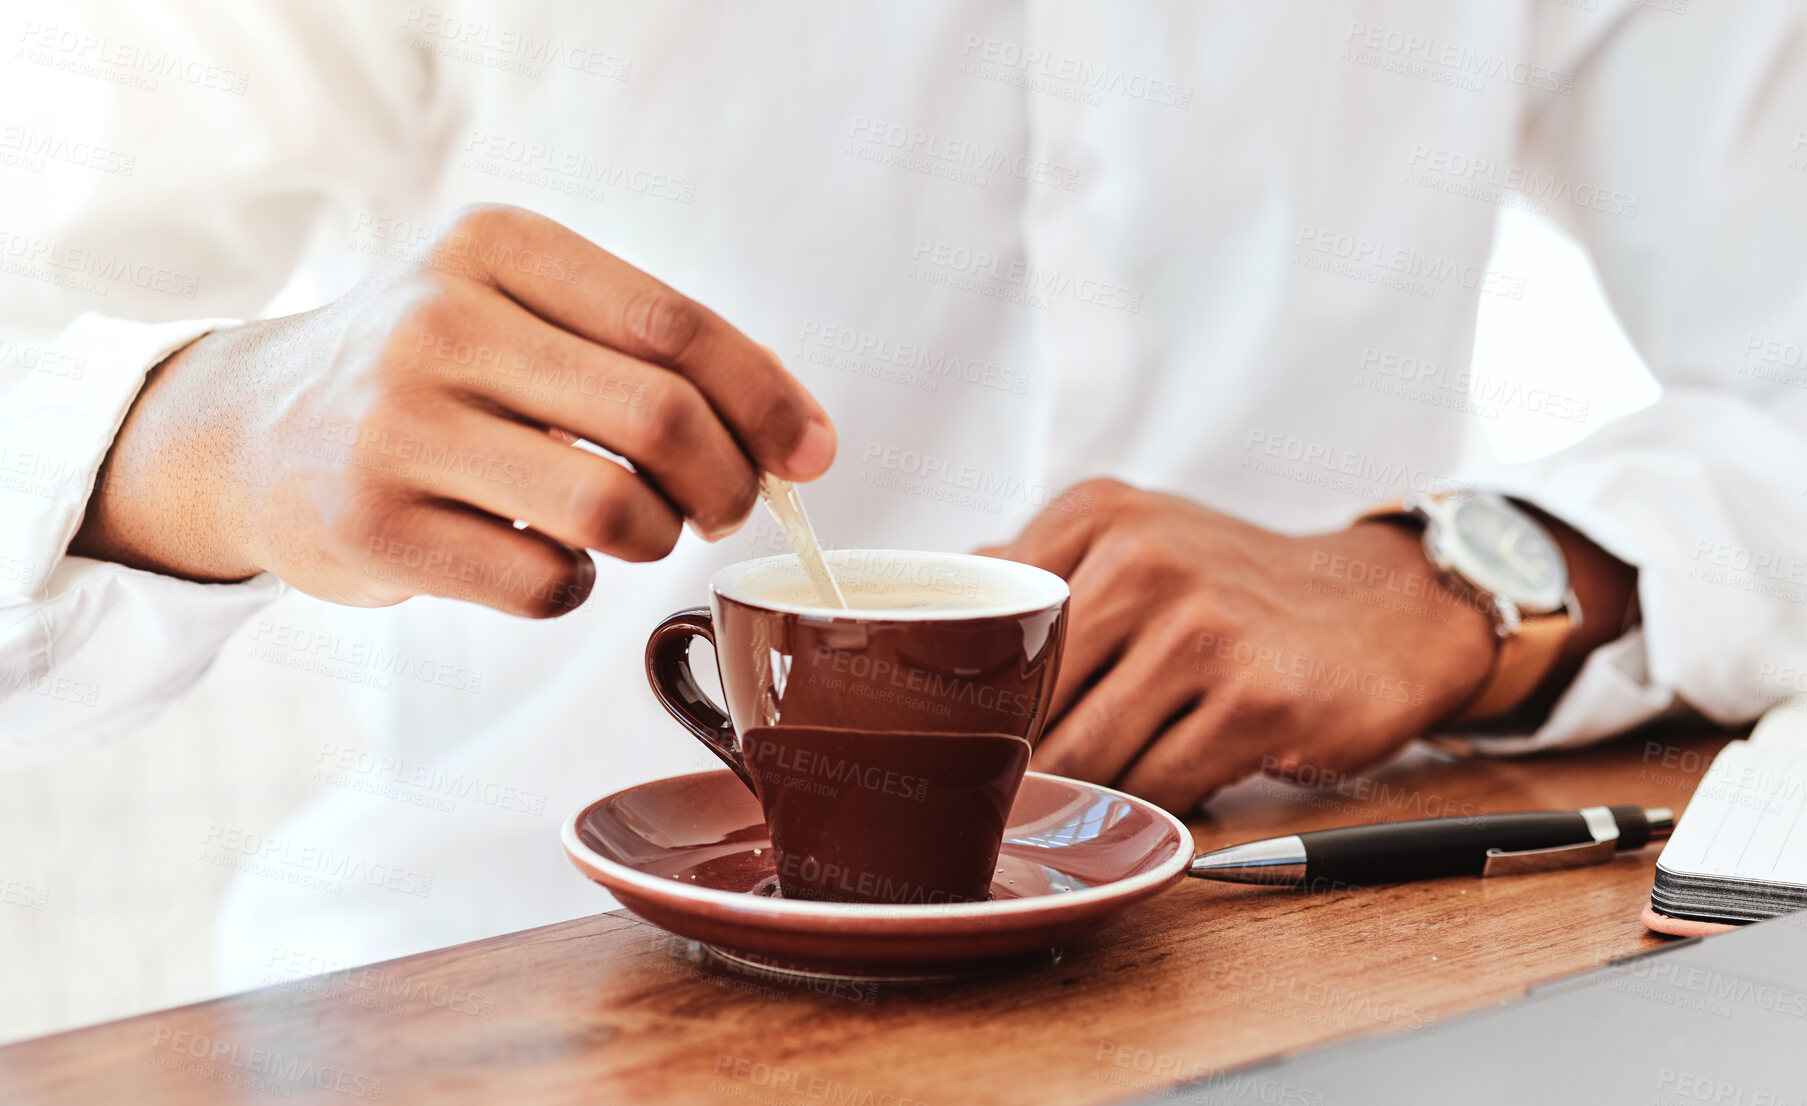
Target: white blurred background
(109, 840)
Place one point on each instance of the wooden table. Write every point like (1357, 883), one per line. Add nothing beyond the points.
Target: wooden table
(1210, 976)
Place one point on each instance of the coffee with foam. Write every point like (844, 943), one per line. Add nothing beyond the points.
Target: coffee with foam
(881, 582)
(881, 596)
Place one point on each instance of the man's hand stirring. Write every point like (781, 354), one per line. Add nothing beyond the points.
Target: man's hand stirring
(383, 446)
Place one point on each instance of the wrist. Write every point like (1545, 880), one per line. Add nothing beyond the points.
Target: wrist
(1455, 634)
(1540, 648)
(1606, 590)
(159, 499)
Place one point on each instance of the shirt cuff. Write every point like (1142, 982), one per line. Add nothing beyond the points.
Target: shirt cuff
(107, 648)
(56, 429)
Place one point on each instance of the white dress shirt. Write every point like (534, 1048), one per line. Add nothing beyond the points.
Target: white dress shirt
(1232, 251)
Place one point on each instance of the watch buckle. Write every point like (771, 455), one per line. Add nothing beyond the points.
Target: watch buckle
(1507, 612)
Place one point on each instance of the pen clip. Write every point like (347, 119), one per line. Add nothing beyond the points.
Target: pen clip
(1600, 824)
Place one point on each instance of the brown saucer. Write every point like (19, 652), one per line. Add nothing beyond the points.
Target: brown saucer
(691, 854)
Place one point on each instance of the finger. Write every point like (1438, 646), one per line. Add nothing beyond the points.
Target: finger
(1219, 742)
(573, 283)
(1130, 707)
(1102, 617)
(1055, 540)
(436, 547)
(650, 415)
(519, 472)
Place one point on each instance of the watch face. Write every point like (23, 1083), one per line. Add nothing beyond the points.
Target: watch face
(1501, 549)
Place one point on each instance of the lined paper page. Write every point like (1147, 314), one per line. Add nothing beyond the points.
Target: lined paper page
(1748, 818)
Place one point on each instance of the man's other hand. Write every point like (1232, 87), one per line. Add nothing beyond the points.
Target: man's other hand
(1203, 649)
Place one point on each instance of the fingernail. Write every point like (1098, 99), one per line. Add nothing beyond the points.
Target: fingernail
(813, 453)
(714, 535)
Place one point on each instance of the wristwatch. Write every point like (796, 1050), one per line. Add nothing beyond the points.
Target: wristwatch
(1495, 555)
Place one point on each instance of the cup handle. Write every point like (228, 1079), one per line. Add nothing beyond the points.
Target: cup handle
(668, 671)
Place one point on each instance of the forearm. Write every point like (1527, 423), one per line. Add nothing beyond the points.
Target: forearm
(1605, 589)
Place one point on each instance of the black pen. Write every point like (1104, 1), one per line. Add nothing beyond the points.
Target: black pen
(1480, 845)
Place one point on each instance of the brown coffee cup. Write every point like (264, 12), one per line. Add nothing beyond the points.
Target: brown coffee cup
(885, 742)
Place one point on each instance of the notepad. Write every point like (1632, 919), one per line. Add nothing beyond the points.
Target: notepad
(1740, 852)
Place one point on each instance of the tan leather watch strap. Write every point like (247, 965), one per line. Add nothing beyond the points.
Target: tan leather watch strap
(1520, 664)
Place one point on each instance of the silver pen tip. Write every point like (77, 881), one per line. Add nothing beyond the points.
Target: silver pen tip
(1277, 860)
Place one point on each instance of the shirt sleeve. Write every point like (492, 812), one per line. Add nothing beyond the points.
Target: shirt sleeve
(1679, 161)
(176, 167)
